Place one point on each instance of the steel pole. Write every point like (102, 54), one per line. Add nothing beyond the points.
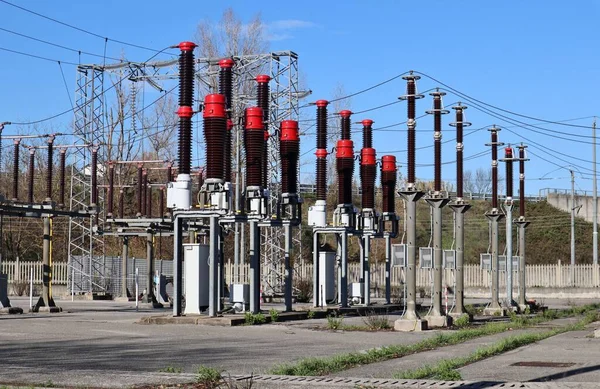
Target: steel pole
(238, 206)
(213, 267)
(46, 297)
(344, 278)
(522, 299)
(254, 267)
(150, 297)
(388, 283)
(411, 198)
(459, 292)
(288, 266)
(178, 265)
(315, 269)
(367, 271)
(595, 195)
(494, 219)
(508, 208)
(572, 281)
(124, 256)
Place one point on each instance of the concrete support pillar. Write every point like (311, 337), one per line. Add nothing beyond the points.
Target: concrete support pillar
(494, 308)
(459, 290)
(522, 263)
(437, 318)
(46, 302)
(508, 208)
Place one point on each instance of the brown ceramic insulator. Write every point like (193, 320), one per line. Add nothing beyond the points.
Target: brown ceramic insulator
(459, 154)
(367, 134)
(161, 202)
(345, 126)
(185, 140)
(522, 181)
(139, 189)
(388, 188)
(15, 196)
(62, 168)
(265, 161)
(321, 177)
(322, 127)
(411, 91)
(111, 188)
(121, 203)
(94, 169)
(227, 155)
(50, 166)
(509, 172)
(254, 141)
(367, 180)
(144, 192)
(30, 176)
(214, 135)
(262, 97)
(169, 171)
(186, 78)
(494, 170)
(290, 151)
(345, 168)
(437, 143)
(225, 87)
(200, 179)
(149, 201)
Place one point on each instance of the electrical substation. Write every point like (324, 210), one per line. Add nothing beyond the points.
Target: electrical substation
(248, 183)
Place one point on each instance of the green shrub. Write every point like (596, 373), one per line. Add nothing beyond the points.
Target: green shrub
(334, 322)
(274, 315)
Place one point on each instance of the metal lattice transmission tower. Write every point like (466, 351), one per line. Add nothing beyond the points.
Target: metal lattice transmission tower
(86, 248)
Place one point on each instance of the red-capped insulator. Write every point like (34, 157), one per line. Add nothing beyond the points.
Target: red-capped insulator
(31, 174)
(345, 168)
(227, 151)
(508, 155)
(16, 160)
(289, 144)
(254, 144)
(215, 133)
(321, 149)
(345, 124)
(388, 183)
(368, 173)
(367, 133)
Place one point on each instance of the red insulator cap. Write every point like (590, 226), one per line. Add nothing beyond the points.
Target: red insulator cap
(187, 46)
(214, 106)
(345, 149)
(322, 103)
(368, 156)
(321, 153)
(367, 122)
(388, 163)
(345, 113)
(226, 63)
(254, 118)
(289, 130)
(508, 151)
(263, 78)
(229, 124)
(185, 112)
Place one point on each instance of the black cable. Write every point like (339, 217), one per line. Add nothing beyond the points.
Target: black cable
(58, 45)
(37, 56)
(78, 28)
(62, 73)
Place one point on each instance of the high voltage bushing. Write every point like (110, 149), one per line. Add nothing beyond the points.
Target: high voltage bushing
(140, 175)
(459, 124)
(17, 143)
(62, 168)
(149, 200)
(388, 183)
(262, 101)
(50, 165)
(522, 160)
(31, 173)
(185, 114)
(185, 111)
(368, 172)
(225, 82)
(144, 192)
(227, 151)
(215, 127)
(94, 172)
(508, 156)
(161, 202)
(494, 145)
(367, 133)
(121, 203)
(111, 188)
(411, 96)
(345, 168)
(289, 147)
(254, 140)
(321, 152)
(437, 112)
(345, 124)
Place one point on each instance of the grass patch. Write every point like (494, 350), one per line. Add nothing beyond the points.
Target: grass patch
(274, 315)
(375, 322)
(209, 377)
(334, 322)
(254, 318)
(446, 369)
(327, 365)
(171, 369)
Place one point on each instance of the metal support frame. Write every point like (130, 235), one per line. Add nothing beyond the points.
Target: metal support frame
(459, 209)
(508, 209)
(342, 235)
(522, 262)
(494, 217)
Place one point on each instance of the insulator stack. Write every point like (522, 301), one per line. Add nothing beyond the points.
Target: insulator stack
(522, 181)
(367, 133)
(149, 201)
(62, 167)
(170, 172)
(254, 141)
(411, 97)
(161, 202)
(111, 188)
(17, 144)
(186, 99)
(460, 123)
(121, 203)
(345, 124)
(50, 167)
(321, 152)
(30, 176)
(289, 146)
(437, 112)
(494, 146)
(140, 175)
(144, 192)
(345, 168)
(388, 183)
(227, 151)
(368, 173)
(508, 155)
(262, 101)
(94, 170)
(225, 82)
(215, 128)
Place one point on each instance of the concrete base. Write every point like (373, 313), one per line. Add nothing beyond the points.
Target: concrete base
(457, 315)
(597, 333)
(11, 310)
(407, 325)
(494, 311)
(123, 299)
(438, 321)
(46, 310)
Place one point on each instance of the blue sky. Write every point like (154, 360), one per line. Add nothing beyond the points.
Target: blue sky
(537, 58)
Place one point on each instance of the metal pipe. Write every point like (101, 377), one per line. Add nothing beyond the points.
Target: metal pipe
(388, 263)
(178, 265)
(144, 190)
(316, 270)
(16, 161)
(61, 195)
(31, 173)
(344, 270)
(289, 271)
(254, 267)
(50, 167)
(437, 260)
(111, 189)
(213, 259)
(94, 172)
(595, 200)
(367, 270)
(124, 258)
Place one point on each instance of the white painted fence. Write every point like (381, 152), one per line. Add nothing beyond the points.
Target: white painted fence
(552, 276)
